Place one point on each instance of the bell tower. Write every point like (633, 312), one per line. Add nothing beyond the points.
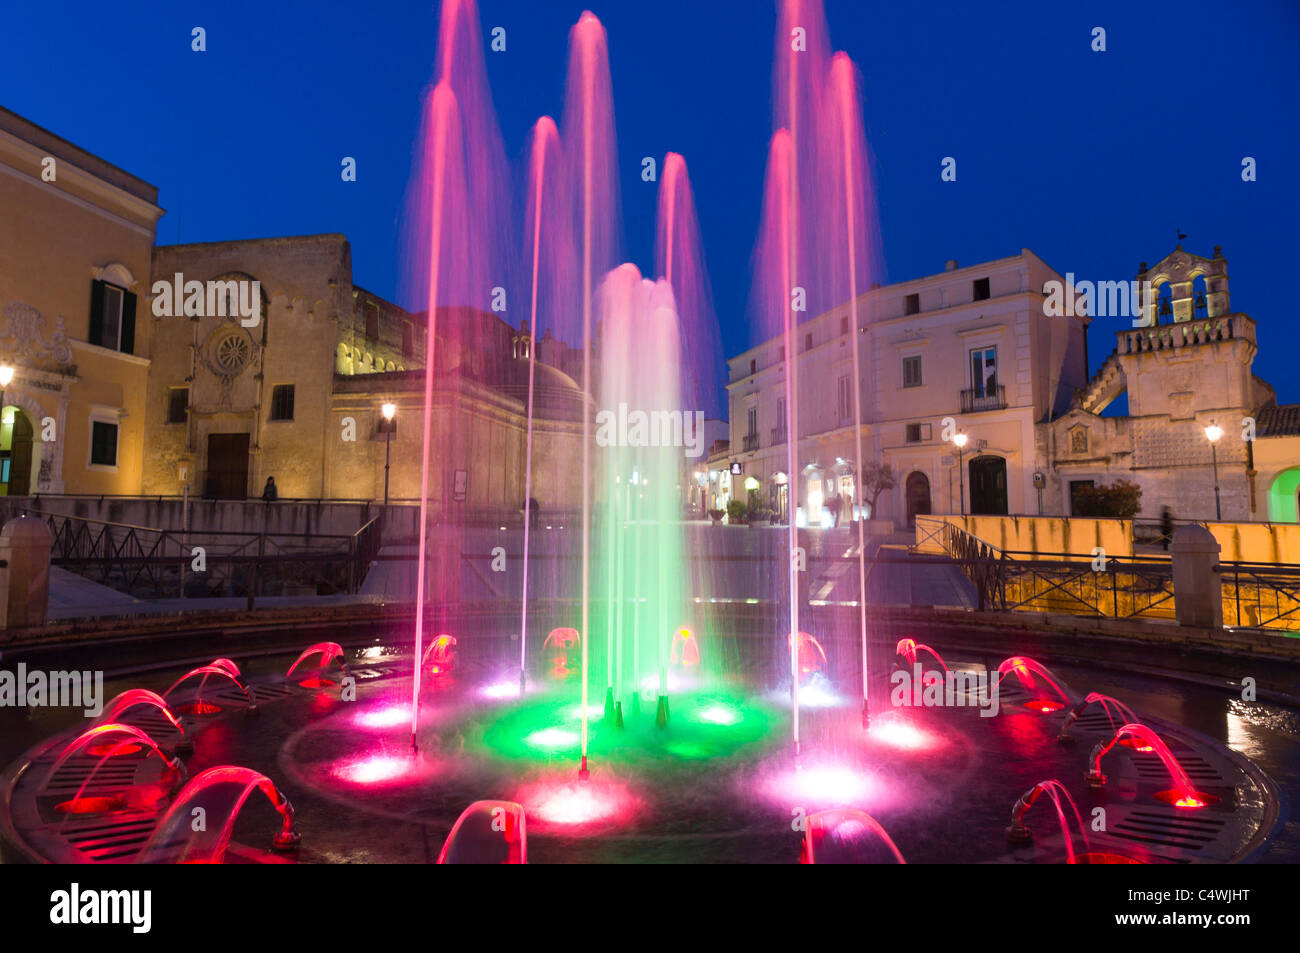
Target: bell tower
(1198, 288)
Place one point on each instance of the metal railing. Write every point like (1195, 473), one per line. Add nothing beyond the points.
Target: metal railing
(973, 401)
(1260, 595)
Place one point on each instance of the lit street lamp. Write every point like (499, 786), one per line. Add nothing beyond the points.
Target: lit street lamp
(959, 441)
(1212, 433)
(6, 376)
(387, 425)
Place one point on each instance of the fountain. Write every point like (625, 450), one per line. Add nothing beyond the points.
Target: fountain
(199, 706)
(847, 836)
(487, 832)
(1182, 794)
(1025, 669)
(328, 651)
(197, 827)
(1018, 833)
(98, 741)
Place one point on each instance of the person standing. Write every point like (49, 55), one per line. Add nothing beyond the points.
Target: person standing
(269, 493)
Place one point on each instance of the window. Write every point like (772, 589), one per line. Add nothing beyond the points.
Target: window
(845, 399)
(981, 289)
(912, 371)
(984, 371)
(282, 402)
(178, 405)
(372, 321)
(782, 353)
(408, 341)
(112, 317)
(753, 365)
(913, 304)
(103, 444)
(844, 324)
(807, 341)
(918, 433)
(752, 422)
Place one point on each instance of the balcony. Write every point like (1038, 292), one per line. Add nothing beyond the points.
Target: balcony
(751, 441)
(973, 401)
(778, 435)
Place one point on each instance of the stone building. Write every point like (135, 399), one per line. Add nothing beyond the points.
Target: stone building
(969, 343)
(1188, 366)
(298, 395)
(980, 348)
(76, 235)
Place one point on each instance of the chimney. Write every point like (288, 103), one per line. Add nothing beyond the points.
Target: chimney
(951, 265)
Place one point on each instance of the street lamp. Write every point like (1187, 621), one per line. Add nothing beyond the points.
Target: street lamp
(388, 425)
(1212, 433)
(959, 441)
(6, 376)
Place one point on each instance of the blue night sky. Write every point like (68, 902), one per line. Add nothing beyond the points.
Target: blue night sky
(1090, 159)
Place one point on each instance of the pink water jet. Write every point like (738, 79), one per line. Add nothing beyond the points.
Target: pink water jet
(221, 793)
(487, 832)
(558, 649)
(1117, 713)
(109, 741)
(199, 706)
(685, 649)
(1020, 834)
(130, 699)
(440, 658)
(1025, 669)
(809, 654)
(1183, 794)
(847, 836)
(328, 651)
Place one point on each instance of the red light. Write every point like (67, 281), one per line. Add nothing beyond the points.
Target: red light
(113, 751)
(1044, 705)
(199, 708)
(1187, 800)
(316, 683)
(91, 805)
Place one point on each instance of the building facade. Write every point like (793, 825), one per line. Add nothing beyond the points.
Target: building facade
(75, 251)
(296, 392)
(978, 351)
(970, 344)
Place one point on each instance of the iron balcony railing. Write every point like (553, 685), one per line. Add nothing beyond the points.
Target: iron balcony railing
(751, 441)
(973, 401)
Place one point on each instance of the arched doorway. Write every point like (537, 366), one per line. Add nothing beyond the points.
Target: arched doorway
(917, 493)
(1284, 497)
(988, 486)
(16, 441)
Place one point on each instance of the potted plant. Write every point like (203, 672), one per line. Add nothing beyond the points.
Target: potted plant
(736, 512)
(716, 515)
(759, 516)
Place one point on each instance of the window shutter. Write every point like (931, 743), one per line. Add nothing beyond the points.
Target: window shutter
(96, 332)
(128, 323)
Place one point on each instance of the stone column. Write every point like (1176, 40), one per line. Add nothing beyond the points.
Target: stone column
(25, 544)
(1198, 590)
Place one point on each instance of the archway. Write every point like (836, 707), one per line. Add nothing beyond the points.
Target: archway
(988, 486)
(917, 494)
(18, 458)
(1283, 505)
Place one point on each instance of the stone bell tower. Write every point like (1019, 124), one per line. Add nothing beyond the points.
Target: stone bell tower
(1186, 302)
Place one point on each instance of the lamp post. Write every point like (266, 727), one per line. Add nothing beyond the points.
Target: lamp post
(959, 441)
(1212, 433)
(389, 411)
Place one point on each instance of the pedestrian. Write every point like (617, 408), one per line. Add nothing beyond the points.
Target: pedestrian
(1166, 527)
(269, 493)
(534, 513)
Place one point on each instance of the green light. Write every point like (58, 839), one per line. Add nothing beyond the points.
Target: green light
(718, 714)
(552, 739)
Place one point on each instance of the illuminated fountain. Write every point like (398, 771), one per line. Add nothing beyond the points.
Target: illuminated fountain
(847, 836)
(328, 652)
(218, 795)
(204, 672)
(106, 742)
(1026, 670)
(487, 832)
(1183, 794)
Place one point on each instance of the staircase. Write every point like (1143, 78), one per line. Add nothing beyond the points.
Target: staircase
(1107, 384)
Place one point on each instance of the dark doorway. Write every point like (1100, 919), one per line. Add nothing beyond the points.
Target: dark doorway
(917, 491)
(18, 479)
(988, 486)
(1076, 488)
(227, 467)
